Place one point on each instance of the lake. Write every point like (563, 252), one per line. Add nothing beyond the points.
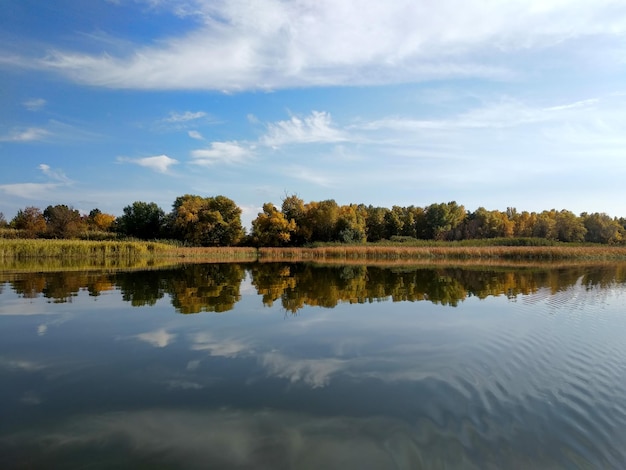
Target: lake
(279, 366)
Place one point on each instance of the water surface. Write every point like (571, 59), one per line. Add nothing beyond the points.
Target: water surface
(300, 366)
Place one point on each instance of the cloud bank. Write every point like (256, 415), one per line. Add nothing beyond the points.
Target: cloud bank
(271, 44)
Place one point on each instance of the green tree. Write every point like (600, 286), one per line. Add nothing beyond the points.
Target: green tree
(443, 219)
(375, 227)
(271, 227)
(394, 222)
(143, 220)
(30, 220)
(63, 221)
(569, 227)
(601, 228)
(545, 226)
(3, 221)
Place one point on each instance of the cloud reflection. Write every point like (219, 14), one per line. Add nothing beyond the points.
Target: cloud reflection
(158, 339)
(227, 438)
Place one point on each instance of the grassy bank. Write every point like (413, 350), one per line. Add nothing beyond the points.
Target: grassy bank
(77, 249)
(446, 252)
(12, 251)
(89, 252)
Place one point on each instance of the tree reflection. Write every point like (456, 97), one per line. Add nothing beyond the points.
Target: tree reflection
(198, 288)
(195, 288)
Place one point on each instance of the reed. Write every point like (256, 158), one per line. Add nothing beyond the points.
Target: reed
(435, 252)
(37, 248)
(115, 253)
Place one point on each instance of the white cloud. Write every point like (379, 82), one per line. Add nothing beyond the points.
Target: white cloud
(158, 163)
(26, 135)
(56, 175)
(195, 135)
(185, 117)
(158, 339)
(270, 44)
(34, 104)
(315, 128)
(227, 152)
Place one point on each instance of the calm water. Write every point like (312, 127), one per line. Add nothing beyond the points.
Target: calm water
(274, 366)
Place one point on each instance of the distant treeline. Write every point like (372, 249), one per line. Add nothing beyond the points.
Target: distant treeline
(216, 221)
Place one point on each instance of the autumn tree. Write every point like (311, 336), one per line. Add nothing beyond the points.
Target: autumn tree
(321, 218)
(206, 221)
(63, 221)
(271, 227)
(524, 222)
(293, 208)
(98, 220)
(30, 220)
(351, 224)
(488, 224)
(143, 220)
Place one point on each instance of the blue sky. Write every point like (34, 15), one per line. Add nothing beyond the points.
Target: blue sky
(518, 103)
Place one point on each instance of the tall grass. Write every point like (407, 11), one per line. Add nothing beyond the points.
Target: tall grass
(454, 252)
(38, 248)
(112, 252)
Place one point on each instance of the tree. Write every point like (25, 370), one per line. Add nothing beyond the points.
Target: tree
(488, 224)
(293, 209)
(210, 221)
(30, 220)
(524, 222)
(271, 227)
(143, 220)
(601, 228)
(321, 218)
(569, 227)
(545, 226)
(63, 221)
(375, 227)
(3, 221)
(351, 224)
(442, 220)
(100, 221)
(394, 222)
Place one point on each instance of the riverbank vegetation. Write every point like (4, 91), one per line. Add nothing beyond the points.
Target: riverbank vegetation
(196, 221)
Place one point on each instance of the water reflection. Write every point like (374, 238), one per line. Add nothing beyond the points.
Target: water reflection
(97, 372)
(198, 288)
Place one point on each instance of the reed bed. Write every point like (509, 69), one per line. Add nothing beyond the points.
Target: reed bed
(77, 249)
(213, 253)
(511, 253)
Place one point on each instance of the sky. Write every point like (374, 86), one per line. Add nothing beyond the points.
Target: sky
(495, 104)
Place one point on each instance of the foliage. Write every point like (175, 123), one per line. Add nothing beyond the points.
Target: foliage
(209, 221)
(30, 220)
(143, 220)
(271, 227)
(63, 221)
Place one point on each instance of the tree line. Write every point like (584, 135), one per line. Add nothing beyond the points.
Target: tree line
(216, 221)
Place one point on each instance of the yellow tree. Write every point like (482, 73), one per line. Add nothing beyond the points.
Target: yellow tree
(271, 227)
